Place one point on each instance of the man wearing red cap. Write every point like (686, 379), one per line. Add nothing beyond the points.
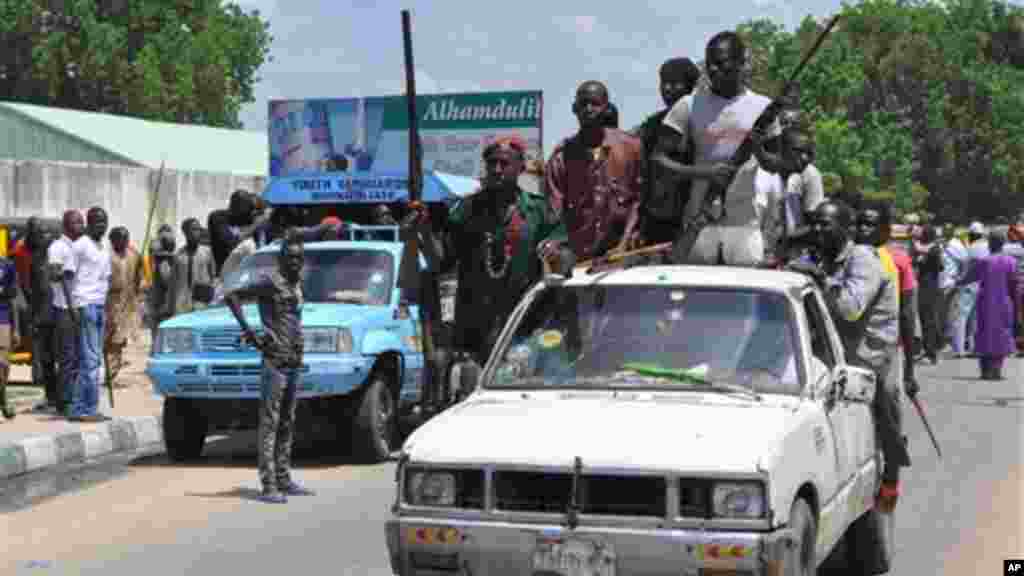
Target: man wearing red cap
(593, 181)
(492, 236)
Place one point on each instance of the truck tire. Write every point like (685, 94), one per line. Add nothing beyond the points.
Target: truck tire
(376, 415)
(870, 543)
(802, 559)
(184, 430)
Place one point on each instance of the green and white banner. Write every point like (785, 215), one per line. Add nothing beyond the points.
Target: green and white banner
(357, 149)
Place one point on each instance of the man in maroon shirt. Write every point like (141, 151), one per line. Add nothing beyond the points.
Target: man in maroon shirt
(593, 182)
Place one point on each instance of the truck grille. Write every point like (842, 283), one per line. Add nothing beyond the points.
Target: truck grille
(236, 370)
(224, 340)
(600, 495)
(694, 498)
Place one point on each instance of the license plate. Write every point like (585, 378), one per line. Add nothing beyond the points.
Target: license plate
(448, 309)
(573, 557)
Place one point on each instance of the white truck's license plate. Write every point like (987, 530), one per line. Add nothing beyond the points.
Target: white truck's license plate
(573, 558)
(448, 309)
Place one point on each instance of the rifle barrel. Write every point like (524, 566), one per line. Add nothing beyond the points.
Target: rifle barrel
(426, 284)
(415, 159)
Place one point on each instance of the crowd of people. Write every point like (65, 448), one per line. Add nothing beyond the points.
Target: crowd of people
(604, 191)
(79, 294)
(971, 292)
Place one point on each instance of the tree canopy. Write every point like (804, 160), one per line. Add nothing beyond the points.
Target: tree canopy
(920, 101)
(186, 61)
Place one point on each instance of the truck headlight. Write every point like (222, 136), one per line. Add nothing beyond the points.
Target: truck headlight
(430, 488)
(175, 341)
(327, 340)
(738, 500)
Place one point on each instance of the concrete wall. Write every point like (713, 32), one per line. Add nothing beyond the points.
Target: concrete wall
(48, 188)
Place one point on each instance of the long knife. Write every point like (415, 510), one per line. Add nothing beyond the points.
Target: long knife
(927, 426)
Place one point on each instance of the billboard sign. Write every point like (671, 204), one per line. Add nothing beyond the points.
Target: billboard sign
(356, 150)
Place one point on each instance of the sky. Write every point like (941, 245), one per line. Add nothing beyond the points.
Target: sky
(353, 48)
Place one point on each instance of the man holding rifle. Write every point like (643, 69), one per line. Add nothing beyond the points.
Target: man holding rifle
(494, 238)
(713, 125)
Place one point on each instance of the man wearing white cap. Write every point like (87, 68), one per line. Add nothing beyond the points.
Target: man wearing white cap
(977, 248)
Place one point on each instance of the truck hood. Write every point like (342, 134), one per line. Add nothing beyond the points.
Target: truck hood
(686, 432)
(313, 314)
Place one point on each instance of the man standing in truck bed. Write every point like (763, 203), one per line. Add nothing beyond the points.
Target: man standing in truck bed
(710, 125)
(494, 239)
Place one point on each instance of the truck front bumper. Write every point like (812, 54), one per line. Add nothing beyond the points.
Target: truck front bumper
(198, 377)
(431, 547)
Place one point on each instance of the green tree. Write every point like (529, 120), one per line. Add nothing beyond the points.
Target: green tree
(187, 61)
(921, 101)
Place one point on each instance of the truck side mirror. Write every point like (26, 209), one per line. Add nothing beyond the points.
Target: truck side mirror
(463, 379)
(860, 385)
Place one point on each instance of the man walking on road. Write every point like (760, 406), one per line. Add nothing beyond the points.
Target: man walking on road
(954, 267)
(278, 293)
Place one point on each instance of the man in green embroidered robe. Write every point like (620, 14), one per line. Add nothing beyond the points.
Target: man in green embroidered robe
(493, 237)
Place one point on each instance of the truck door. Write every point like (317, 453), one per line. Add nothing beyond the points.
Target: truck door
(840, 441)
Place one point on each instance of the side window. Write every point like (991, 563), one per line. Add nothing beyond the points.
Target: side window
(821, 345)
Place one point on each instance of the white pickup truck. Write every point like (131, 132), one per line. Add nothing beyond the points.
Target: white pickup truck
(654, 420)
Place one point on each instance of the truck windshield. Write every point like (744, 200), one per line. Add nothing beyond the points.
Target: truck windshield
(653, 337)
(341, 276)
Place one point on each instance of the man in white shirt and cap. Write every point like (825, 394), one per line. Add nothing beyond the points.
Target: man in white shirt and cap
(977, 248)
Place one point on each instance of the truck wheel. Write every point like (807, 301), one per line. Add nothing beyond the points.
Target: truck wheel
(184, 430)
(801, 559)
(374, 424)
(870, 543)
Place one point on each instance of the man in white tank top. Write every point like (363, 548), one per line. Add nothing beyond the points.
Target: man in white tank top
(713, 122)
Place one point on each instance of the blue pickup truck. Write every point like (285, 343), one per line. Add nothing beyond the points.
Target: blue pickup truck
(363, 367)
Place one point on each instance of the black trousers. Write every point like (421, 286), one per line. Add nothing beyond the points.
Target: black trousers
(930, 303)
(67, 355)
(887, 410)
(45, 342)
(908, 324)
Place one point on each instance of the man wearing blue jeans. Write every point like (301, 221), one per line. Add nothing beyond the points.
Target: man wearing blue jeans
(278, 295)
(92, 282)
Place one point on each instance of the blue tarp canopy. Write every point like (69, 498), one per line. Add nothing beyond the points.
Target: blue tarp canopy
(364, 188)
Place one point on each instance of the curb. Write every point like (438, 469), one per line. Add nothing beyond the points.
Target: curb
(40, 452)
(24, 403)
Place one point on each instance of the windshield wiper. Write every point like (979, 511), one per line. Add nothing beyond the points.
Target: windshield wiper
(690, 376)
(733, 388)
(350, 297)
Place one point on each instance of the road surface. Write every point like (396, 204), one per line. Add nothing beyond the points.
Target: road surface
(961, 515)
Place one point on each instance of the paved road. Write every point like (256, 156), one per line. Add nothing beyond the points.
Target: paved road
(961, 515)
